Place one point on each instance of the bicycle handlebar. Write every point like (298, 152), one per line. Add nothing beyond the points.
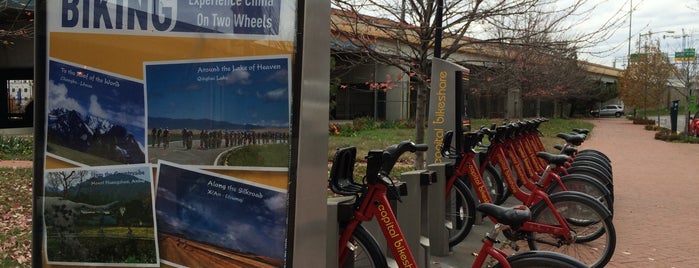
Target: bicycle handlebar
(392, 153)
(381, 162)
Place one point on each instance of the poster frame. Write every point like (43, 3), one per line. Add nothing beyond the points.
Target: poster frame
(307, 221)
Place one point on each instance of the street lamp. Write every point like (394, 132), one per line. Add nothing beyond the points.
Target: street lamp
(649, 34)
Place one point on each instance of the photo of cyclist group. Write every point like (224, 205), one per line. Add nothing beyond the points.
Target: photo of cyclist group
(213, 139)
(203, 146)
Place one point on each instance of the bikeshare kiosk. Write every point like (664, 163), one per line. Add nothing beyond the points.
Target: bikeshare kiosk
(181, 133)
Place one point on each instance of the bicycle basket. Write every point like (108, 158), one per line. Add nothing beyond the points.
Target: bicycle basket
(342, 172)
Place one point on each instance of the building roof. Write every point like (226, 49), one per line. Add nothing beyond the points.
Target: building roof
(370, 26)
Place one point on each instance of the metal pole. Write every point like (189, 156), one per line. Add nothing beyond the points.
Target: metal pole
(628, 53)
(438, 33)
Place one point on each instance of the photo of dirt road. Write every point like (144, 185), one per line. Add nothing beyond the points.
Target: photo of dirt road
(193, 254)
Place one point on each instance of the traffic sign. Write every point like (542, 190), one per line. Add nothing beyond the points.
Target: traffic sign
(688, 54)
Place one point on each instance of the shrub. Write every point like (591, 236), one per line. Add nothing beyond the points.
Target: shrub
(665, 134)
(364, 123)
(16, 148)
(643, 121)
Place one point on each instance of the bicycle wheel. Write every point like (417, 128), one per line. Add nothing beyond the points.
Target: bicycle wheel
(494, 183)
(601, 161)
(460, 212)
(594, 173)
(590, 222)
(365, 253)
(584, 184)
(542, 259)
(606, 171)
(595, 152)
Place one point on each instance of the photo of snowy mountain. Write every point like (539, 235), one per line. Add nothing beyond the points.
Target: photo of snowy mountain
(95, 118)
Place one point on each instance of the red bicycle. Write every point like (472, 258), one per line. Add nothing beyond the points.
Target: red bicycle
(358, 248)
(570, 222)
(521, 144)
(506, 153)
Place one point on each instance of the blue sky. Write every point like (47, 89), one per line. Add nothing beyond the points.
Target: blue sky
(89, 92)
(242, 222)
(234, 91)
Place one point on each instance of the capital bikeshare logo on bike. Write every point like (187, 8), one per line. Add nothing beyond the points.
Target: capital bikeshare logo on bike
(395, 236)
(480, 186)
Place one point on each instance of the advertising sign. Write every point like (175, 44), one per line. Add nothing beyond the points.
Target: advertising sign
(167, 132)
(442, 108)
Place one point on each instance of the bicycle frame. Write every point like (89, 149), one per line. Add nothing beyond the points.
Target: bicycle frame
(467, 168)
(375, 204)
(488, 249)
(500, 151)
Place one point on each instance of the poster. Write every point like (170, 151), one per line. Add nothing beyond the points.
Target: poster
(192, 87)
(94, 118)
(215, 107)
(209, 220)
(100, 216)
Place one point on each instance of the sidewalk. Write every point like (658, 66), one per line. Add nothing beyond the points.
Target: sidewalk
(16, 164)
(656, 188)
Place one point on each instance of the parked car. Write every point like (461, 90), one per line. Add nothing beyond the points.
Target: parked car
(694, 125)
(609, 110)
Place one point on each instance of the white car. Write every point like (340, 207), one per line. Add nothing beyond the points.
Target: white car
(609, 110)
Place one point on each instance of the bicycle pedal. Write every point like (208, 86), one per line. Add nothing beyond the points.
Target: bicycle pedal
(351, 246)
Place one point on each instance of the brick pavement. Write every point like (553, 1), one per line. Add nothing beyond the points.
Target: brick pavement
(656, 187)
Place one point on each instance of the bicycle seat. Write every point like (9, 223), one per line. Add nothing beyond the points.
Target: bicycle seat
(570, 151)
(581, 131)
(512, 216)
(575, 139)
(342, 172)
(558, 159)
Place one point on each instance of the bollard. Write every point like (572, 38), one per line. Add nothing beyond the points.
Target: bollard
(339, 210)
(409, 213)
(438, 236)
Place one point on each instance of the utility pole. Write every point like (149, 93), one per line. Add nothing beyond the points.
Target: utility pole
(628, 53)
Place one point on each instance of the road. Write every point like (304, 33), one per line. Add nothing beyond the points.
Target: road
(179, 154)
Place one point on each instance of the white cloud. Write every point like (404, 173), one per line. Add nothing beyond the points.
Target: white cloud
(58, 98)
(277, 203)
(281, 76)
(96, 109)
(237, 76)
(274, 95)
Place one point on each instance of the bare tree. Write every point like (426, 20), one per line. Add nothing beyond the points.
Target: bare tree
(64, 181)
(410, 27)
(16, 22)
(541, 66)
